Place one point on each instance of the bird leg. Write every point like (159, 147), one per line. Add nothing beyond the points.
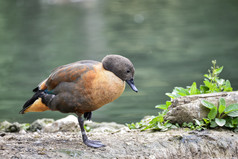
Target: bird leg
(87, 115)
(86, 141)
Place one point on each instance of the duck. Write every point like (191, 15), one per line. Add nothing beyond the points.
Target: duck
(82, 87)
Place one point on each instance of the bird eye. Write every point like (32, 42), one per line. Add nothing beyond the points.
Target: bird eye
(128, 71)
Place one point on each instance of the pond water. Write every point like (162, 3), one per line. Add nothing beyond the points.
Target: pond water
(171, 43)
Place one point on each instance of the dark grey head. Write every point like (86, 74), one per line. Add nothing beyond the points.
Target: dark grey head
(122, 67)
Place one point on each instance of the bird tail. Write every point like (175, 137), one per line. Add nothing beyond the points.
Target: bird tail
(35, 104)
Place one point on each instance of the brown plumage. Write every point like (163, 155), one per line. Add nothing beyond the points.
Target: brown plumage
(82, 87)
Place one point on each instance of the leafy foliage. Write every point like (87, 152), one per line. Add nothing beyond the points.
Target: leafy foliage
(212, 83)
(198, 125)
(154, 123)
(87, 128)
(224, 116)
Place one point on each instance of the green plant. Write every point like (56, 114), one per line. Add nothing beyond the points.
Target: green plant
(87, 128)
(222, 115)
(25, 126)
(155, 122)
(158, 123)
(198, 125)
(212, 83)
(137, 125)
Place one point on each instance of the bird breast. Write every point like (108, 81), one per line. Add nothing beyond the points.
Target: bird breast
(104, 86)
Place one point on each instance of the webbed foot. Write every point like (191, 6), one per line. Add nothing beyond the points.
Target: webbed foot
(93, 143)
(86, 141)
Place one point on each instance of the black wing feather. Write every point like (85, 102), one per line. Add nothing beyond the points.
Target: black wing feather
(28, 103)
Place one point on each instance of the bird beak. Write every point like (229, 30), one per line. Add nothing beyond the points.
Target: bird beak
(132, 85)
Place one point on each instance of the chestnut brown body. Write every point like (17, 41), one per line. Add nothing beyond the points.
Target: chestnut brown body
(82, 87)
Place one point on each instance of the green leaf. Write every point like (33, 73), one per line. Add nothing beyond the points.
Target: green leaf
(213, 113)
(234, 121)
(227, 86)
(202, 122)
(231, 108)
(206, 120)
(233, 114)
(168, 125)
(220, 122)
(87, 128)
(228, 83)
(204, 89)
(218, 70)
(207, 83)
(229, 123)
(197, 122)
(168, 103)
(222, 101)
(159, 125)
(173, 126)
(208, 104)
(193, 89)
(164, 107)
(25, 126)
(182, 94)
(154, 120)
(172, 96)
(181, 91)
(190, 124)
(213, 124)
(220, 82)
(159, 118)
(131, 126)
(222, 105)
(184, 124)
(207, 76)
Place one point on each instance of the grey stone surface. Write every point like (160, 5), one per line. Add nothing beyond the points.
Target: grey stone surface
(63, 140)
(187, 108)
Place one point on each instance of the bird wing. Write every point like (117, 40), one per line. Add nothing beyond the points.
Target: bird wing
(68, 73)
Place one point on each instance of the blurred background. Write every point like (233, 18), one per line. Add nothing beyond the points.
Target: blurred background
(170, 42)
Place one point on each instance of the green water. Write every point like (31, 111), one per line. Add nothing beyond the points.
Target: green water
(170, 42)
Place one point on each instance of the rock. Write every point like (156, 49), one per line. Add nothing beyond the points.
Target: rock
(35, 126)
(105, 127)
(4, 125)
(22, 131)
(39, 124)
(187, 108)
(120, 143)
(15, 127)
(10, 127)
(69, 123)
